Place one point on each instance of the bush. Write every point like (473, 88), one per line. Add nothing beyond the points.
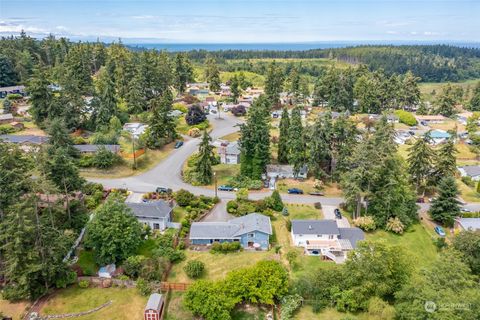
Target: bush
(365, 223)
(239, 110)
(180, 107)
(133, 265)
(292, 256)
(144, 287)
(195, 115)
(395, 225)
(194, 132)
(246, 182)
(14, 96)
(194, 269)
(6, 129)
(406, 117)
(225, 247)
(290, 304)
(83, 284)
(104, 158)
(469, 182)
(183, 197)
(275, 201)
(288, 224)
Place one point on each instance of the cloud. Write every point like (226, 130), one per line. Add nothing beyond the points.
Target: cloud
(143, 17)
(17, 25)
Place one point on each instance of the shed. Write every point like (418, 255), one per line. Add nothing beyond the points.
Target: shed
(154, 307)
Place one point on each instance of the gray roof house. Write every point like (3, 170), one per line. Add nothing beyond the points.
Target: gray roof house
(470, 171)
(285, 171)
(229, 153)
(252, 231)
(93, 148)
(6, 118)
(26, 139)
(325, 239)
(156, 214)
(472, 224)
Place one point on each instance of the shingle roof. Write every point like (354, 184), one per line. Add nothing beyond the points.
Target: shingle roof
(6, 116)
(470, 223)
(471, 171)
(94, 147)
(232, 148)
(154, 302)
(439, 134)
(315, 227)
(18, 139)
(231, 229)
(155, 209)
(352, 234)
(12, 88)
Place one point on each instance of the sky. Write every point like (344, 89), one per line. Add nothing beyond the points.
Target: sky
(245, 21)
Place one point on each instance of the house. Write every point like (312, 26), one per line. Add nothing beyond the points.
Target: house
(253, 231)
(391, 118)
(93, 148)
(6, 118)
(154, 308)
(135, 128)
(463, 224)
(426, 120)
(4, 91)
(229, 153)
(26, 142)
(401, 136)
(439, 136)
(324, 238)
(463, 117)
(285, 172)
(470, 171)
(175, 113)
(17, 125)
(156, 214)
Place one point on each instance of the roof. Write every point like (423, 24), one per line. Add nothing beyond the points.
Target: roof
(18, 139)
(12, 88)
(154, 302)
(470, 223)
(94, 147)
(154, 209)
(315, 227)
(284, 169)
(352, 234)
(6, 116)
(439, 134)
(233, 228)
(232, 148)
(430, 117)
(471, 171)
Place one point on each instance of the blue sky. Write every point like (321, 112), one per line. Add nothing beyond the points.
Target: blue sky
(230, 21)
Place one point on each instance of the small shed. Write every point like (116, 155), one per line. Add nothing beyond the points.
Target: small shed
(154, 307)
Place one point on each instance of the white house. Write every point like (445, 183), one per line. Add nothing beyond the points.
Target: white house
(156, 214)
(281, 171)
(229, 153)
(464, 224)
(439, 136)
(135, 128)
(325, 239)
(470, 171)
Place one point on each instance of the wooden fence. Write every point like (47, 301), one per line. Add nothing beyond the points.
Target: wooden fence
(175, 286)
(129, 155)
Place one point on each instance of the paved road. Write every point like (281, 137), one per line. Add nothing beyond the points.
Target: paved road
(329, 213)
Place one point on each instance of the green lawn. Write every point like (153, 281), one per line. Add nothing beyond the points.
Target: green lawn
(303, 211)
(178, 213)
(426, 88)
(231, 137)
(224, 172)
(330, 190)
(127, 304)
(417, 242)
(175, 308)
(86, 261)
(306, 313)
(467, 193)
(147, 247)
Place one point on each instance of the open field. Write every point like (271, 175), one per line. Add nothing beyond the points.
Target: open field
(330, 190)
(14, 310)
(224, 172)
(426, 88)
(127, 304)
(231, 137)
(467, 193)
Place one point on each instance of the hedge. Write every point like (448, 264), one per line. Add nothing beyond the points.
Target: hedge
(406, 117)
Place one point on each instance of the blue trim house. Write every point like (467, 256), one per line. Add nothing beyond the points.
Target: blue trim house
(252, 231)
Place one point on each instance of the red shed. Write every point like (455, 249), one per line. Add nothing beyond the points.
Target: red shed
(154, 308)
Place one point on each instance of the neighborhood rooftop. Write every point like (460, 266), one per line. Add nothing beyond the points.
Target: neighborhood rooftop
(18, 139)
(315, 227)
(115, 148)
(155, 209)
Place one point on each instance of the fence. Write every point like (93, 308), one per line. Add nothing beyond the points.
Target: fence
(106, 282)
(129, 155)
(175, 286)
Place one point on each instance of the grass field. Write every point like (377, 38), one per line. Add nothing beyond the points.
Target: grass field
(86, 261)
(427, 88)
(13, 310)
(224, 172)
(175, 308)
(127, 304)
(467, 193)
(330, 190)
(231, 137)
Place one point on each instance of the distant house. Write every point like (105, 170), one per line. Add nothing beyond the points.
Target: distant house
(156, 214)
(17, 125)
(4, 91)
(464, 224)
(439, 136)
(6, 118)
(229, 153)
(463, 117)
(252, 231)
(93, 148)
(401, 137)
(429, 119)
(280, 171)
(391, 118)
(154, 307)
(135, 128)
(175, 113)
(26, 142)
(324, 238)
(470, 171)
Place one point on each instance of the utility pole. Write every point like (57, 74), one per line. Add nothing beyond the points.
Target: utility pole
(215, 182)
(134, 156)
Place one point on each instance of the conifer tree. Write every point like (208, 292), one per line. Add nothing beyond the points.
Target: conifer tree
(319, 146)
(161, 125)
(212, 74)
(204, 162)
(282, 155)
(183, 72)
(235, 88)
(40, 96)
(446, 164)
(296, 142)
(474, 104)
(107, 101)
(420, 160)
(445, 207)
(274, 84)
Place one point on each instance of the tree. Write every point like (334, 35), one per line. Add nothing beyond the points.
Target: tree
(235, 88)
(195, 115)
(239, 110)
(474, 104)
(274, 84)
(296, 142)
(194, 269)
(104, 158)
(161, 125)
(8, 77)
(255, 140)
(467, 242)
(445, 207)
(107, 101)
(136, 96)
(446, 164)
(40, 97)
(204, 162)
(420, 161)
(276, 201)
(446, 101)
(7, 106)
(410, 92)
(183, 72)
(209, 300)
(283, 149)
(63, 171)
(212, 74)
(114, 232)
(320, 146)
(293, 83)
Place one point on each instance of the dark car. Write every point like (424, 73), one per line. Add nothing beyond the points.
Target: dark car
(225, 188)
(295, 191)
(319, 194)
(163, 190)
(178, 144)
(338, 214)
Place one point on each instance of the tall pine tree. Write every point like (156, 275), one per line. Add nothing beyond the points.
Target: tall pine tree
(283, 149)
(203, 165)
(161, 125)
(445, 207)
(420, 161)
(296, 142)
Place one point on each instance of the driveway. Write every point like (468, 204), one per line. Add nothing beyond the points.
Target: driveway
(329, 213)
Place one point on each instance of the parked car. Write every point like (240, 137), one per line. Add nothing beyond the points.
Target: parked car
(465, 210)
(440, 231)
(178, 144)
(163, 190)
(316, 194)
(295, 191)
(338, 214)
(225, 188)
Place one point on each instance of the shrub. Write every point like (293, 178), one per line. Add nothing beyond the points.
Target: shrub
(144, 287)
(395, 225)
(133, 265)
(406, 117)
(288, 224)
(225, 247)
(290, 304)
(104, 158)
(6, 129)
(318, 205)
(242, 194)
(184, 197)
(232, 206)
(246, 182)
(365, 223)
(180, 107)
(469, 182)
(292, 256)
(194, 269)
(195, 115)
(239, 110)
(83, 284)
(194, 132)
(275, 201)
(14, 96)
(379, 309)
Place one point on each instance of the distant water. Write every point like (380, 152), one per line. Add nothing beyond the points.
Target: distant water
(176, 47)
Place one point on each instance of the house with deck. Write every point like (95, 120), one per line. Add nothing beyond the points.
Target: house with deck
(93, 148)
(156, 214)
(467, 224)
(325, 239)
(229, 153)
(253, 231)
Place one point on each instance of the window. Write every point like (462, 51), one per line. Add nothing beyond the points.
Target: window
(251, 235)
(156, 226)
(330, 236)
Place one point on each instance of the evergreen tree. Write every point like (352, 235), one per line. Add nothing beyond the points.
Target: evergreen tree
(136, 96)
(78, 69)
(296, 142)
(63, 171)
(161, 125)
(7, 106)
(474, 104)
(274, 84)
(409, 92)
(445, 207)
(40, 96)
(422, 109)
(204, 162)
(420, 160)
(282, 153)
(107, 101)
(446, 101)
(183, 72)
(446, 164)
(212, 74)
(235, 88)
(293, 83)
(319, 146)
(8, 76)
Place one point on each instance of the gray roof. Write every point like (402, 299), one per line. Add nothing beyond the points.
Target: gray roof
(352, 234)
(471, 171)
(94, 147)
(154, 209)
(315, 227)
(232, 148)
(284, 169)
(18, 139)
(12, 88)
(6, 116)
(233, 228)
(154, 302)
(470, 223)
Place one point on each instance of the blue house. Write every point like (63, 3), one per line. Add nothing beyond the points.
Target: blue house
(252, 231)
